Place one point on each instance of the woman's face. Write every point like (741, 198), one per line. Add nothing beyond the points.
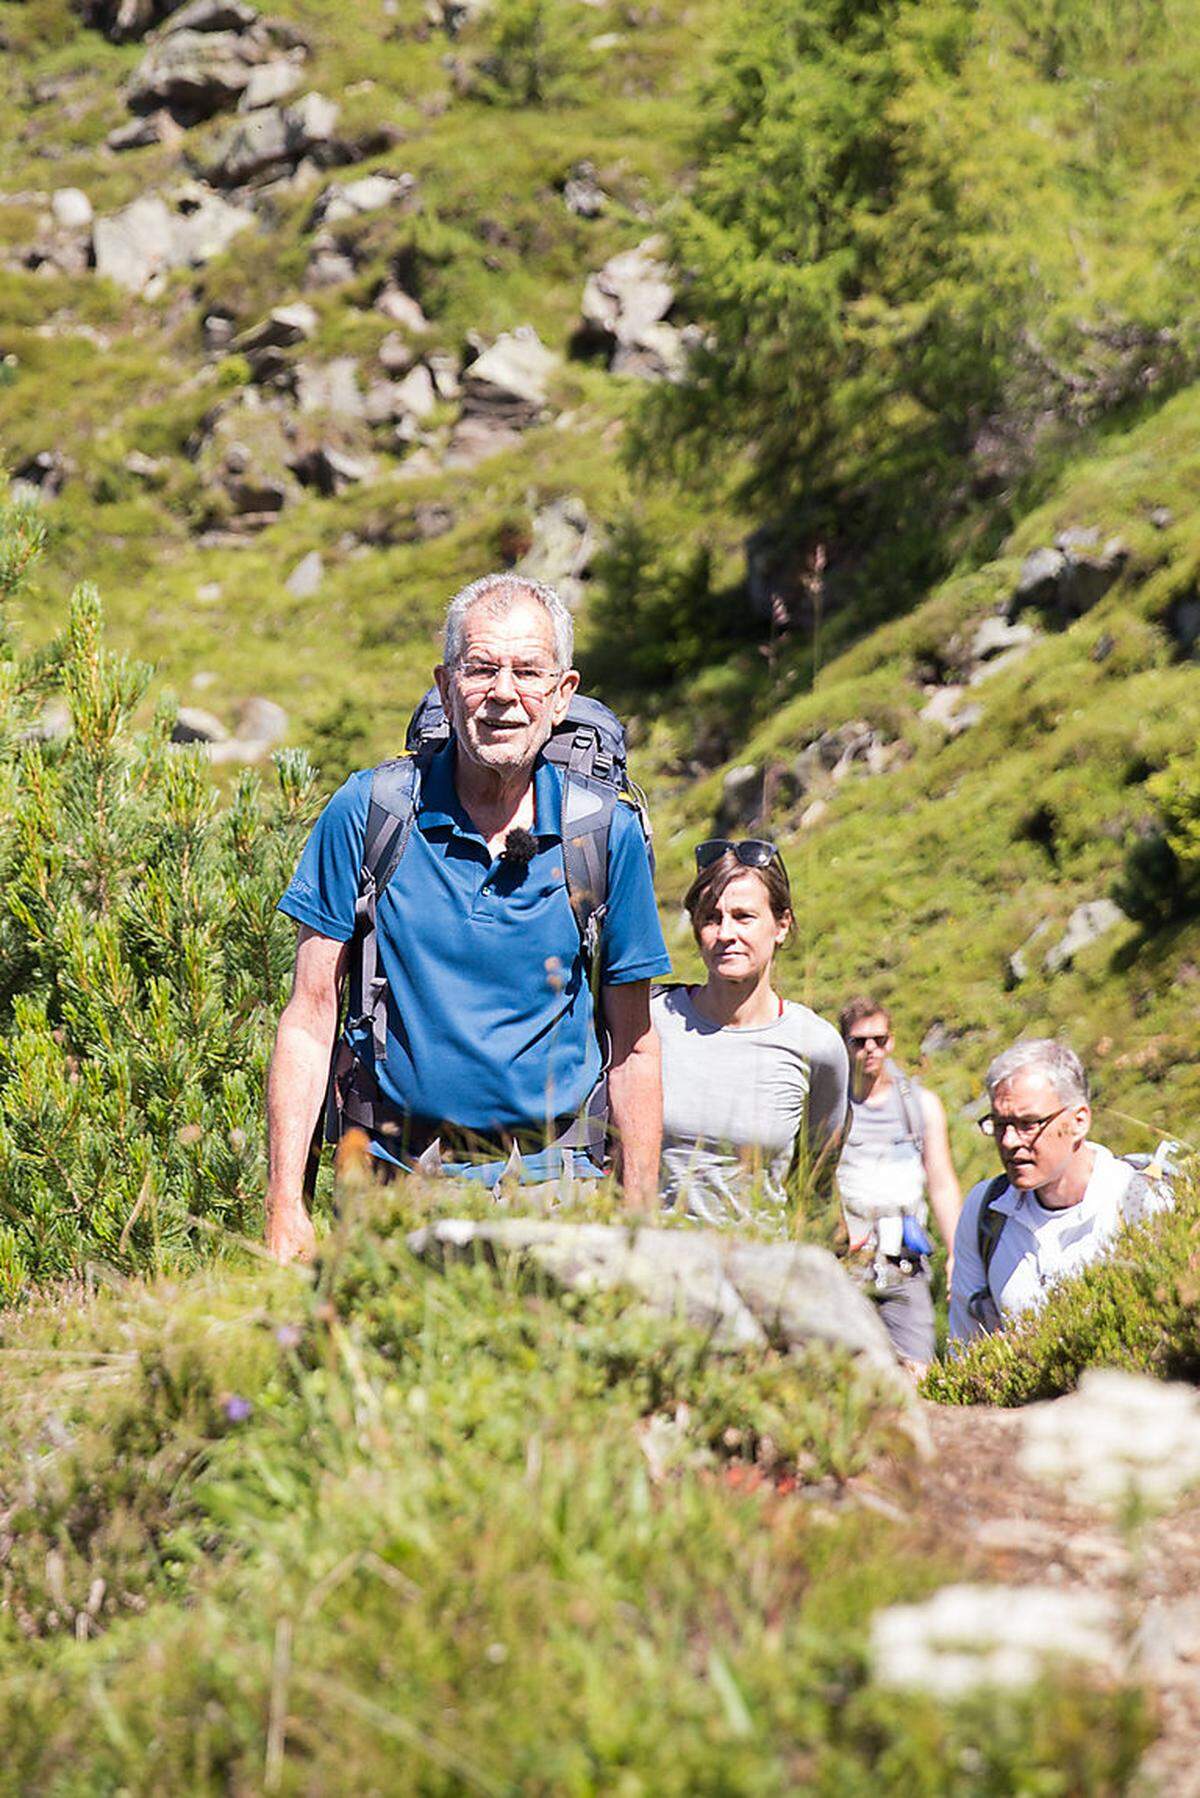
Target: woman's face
(739, 936)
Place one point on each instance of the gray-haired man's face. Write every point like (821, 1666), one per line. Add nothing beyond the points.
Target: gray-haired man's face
(1036, 1134)
(505, 693)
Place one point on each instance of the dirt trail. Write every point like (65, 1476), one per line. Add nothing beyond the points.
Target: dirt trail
(1018, 1531)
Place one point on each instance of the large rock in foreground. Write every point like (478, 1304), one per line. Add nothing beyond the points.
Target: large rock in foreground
(746, 1295)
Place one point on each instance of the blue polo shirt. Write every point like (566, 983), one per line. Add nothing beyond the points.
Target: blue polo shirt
(489, 1008)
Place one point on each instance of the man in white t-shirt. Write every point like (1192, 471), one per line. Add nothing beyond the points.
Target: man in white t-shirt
(1062, 1199)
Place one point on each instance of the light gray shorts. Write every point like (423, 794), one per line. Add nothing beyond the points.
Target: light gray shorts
(906, 1310)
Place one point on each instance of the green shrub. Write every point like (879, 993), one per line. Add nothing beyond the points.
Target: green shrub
(420, 1531)
(533, 53)
(1139, 1308)
(1160, 882)
(141, 961)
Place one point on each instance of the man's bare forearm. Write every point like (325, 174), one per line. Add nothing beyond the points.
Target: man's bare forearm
(635, 1099)
(295, 1091)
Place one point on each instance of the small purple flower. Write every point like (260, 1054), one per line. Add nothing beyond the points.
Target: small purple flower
(237, 1408)
(288, 1336)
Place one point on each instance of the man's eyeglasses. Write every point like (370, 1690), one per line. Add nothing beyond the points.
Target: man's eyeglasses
(861, 1042)
(1026, 1130)
(526, 677)
(752, 852)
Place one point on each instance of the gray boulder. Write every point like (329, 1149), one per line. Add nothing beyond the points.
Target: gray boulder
(194, 74)
(282, 329)
(624, 314)
(583, 193)
(151, 128)
(744, 1295)
(416, 396)
(562, 548)
(271, 82)
(211, 15)
(71, 208)
(328, 266)
(507, 383)
(343, 200)
(401, 309)
(947, 708)
(330, 470)
(1019, 961)
(830, 757)
(995, 638)
(330, 387)
(396, 355)
(194, 725)
(41, 476)
(1086, 925)
(272, 141)
(741, 799)
(304, 582)
(1069, 578)
(123, 21)
(152, 235)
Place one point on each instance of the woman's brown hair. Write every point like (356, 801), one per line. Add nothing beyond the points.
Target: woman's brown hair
(702, 896)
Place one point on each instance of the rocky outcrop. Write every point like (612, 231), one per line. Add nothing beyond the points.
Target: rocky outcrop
(40, 476)
(330, 387)
(560, 553)
(261, 725)
(343, 200)
(1070, 577)
(743, 1295)
(155, 234)
(1085, 926)
(625, 312)
(194, 74)
(582, 192)
(949, 708)
(504, 392)
(268, 143)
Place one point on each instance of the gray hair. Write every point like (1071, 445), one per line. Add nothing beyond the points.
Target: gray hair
(1042, 1055)
(497, 593)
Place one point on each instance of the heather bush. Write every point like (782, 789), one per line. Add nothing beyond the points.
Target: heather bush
(1138, 1308)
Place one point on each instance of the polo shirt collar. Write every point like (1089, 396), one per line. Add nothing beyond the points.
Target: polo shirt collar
(440, 804)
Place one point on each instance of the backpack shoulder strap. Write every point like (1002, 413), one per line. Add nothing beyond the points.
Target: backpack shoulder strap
(991, 1222)
(395, 794)
(908, 1092)
(587, 814)
(395, 791)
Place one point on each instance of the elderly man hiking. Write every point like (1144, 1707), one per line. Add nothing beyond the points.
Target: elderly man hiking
(1059, 1201)
(448, 887)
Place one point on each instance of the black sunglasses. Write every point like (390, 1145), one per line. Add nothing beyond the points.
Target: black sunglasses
(880, 1040)
(752, 852)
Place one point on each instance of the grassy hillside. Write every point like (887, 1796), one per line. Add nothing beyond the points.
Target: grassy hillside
(424, 1532)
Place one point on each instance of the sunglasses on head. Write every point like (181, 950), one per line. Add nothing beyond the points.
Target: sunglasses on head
(752, 852)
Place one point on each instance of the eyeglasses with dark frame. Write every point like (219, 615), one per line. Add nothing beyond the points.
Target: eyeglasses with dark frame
(1026, 1130)
(752, 852)
(881, 1039)
(537, 682)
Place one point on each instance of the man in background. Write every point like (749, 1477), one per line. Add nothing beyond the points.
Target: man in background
(1057, 1205)
(894, 1166)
